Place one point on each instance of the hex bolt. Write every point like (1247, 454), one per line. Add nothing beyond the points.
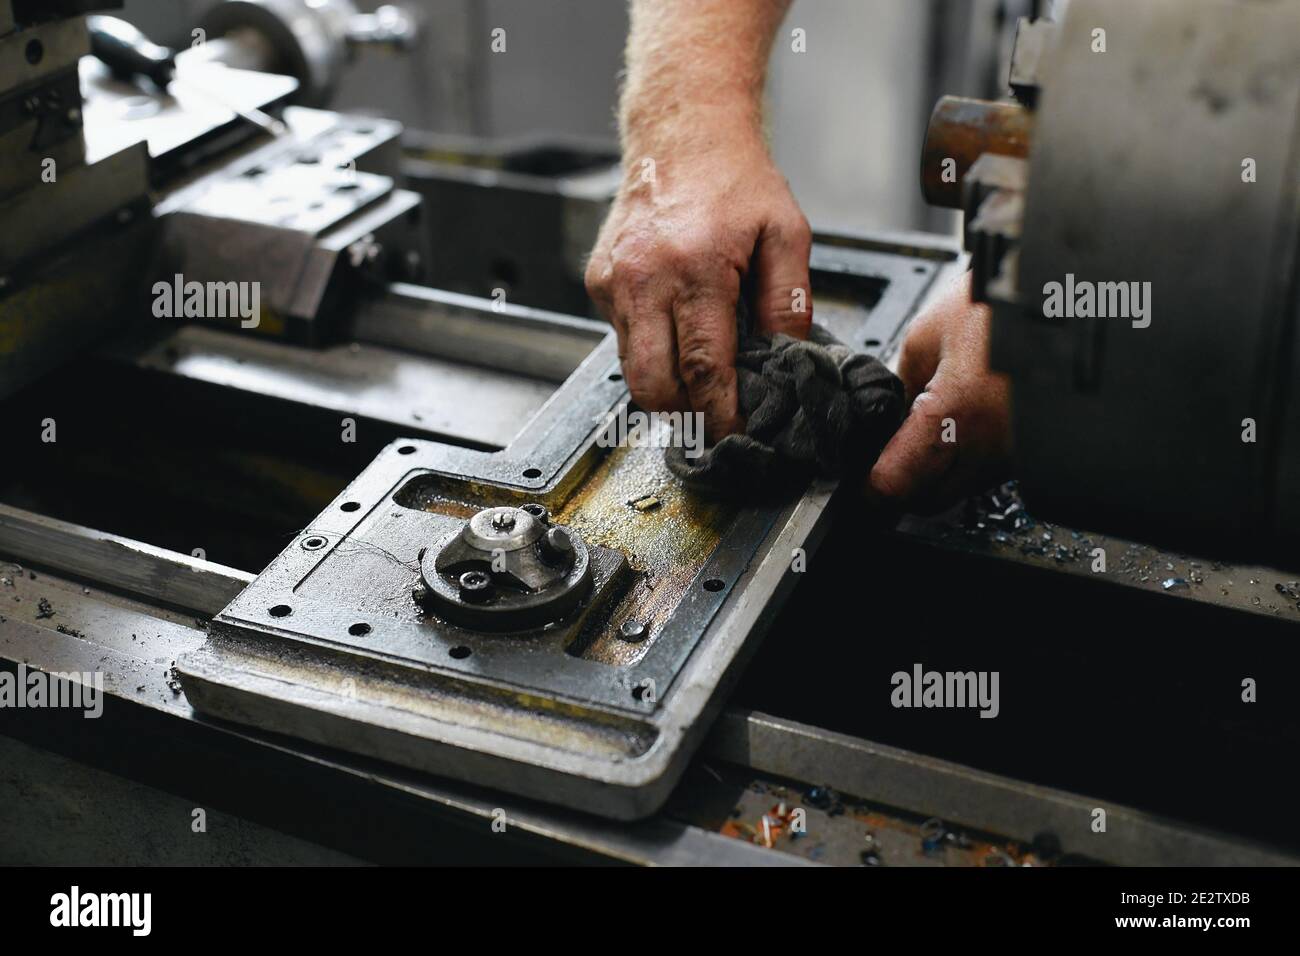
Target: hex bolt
(503, 521)
(632, 631)
(557, 545)
(475, 586)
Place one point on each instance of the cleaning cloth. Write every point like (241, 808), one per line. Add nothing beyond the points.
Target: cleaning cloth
(811, 407)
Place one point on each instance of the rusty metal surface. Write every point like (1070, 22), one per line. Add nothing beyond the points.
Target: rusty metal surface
(962, 130)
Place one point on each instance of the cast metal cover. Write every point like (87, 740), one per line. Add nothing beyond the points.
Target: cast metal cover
(355, 636)
(345, 640)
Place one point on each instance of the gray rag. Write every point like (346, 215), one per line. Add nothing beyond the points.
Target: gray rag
(811, 408)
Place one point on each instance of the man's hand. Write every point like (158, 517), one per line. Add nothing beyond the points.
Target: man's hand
(668, 265)
(701, 209)
(957, 438)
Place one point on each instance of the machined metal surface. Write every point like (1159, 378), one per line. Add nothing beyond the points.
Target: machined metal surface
(625, 708)
(134, 640)
(1161, 181)
(305, 217)
(151, 732)
(506, 569)
(962, 796)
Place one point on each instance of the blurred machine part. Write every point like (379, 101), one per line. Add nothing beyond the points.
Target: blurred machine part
(54, 194)
(310, 40)
(1147, 155)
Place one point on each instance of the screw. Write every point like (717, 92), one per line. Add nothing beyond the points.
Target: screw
(632, 631)
(557, 545)
(503, 521)
(475, 586)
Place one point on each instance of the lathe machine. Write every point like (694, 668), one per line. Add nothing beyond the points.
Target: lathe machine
(360, 576)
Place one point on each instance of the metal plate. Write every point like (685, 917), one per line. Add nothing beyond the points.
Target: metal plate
(329, 645)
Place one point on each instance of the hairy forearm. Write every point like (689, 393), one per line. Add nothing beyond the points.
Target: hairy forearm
(695, 72)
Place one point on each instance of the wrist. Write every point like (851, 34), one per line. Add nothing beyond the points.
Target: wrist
(688, 135)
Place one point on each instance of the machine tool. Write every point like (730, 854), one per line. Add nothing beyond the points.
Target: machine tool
(328, 509)
(1144, 148)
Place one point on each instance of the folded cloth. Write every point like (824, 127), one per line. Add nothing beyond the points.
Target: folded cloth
(811, 408)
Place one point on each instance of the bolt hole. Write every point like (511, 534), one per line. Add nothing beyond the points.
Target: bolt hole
(460, 652)
(314, 543)
(280, 610)
(714, 584)
(920, 270)
(532, 473)
(350, 505)
(35, 52)
(359, 630)
(406, 450)
(616, 377)
(872, 343)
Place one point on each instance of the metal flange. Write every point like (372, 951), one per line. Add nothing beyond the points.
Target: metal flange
(506, 569)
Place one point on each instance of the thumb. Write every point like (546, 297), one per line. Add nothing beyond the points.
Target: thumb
(782, 289)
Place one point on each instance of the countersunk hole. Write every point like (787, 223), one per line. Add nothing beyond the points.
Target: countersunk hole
(359, 630)
(350, 505)
(35, 52)
(714, 584)
(460, 652)
(406, 450)
(314, 543)
(280, 610)
(532, 473)
(616, 377)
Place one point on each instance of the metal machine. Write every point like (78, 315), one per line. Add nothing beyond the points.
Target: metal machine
(353, 559)
(1153, 148)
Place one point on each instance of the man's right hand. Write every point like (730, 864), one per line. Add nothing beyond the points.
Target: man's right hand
(685, 229)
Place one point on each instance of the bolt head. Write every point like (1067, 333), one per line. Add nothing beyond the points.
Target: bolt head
(632, 630)
(557, 545)
(475, 586)
(503, 521)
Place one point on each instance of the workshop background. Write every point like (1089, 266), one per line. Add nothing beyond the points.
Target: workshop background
(303, 496)
(847, 118)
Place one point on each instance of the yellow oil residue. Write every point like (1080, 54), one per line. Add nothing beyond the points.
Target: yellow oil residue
(666, 545)
(665, 541)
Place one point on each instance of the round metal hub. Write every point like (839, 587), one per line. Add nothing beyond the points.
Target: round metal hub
(506, 569)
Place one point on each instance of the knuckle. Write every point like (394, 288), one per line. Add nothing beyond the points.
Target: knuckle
(644, 382)
(800, 231)
(699, 366)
